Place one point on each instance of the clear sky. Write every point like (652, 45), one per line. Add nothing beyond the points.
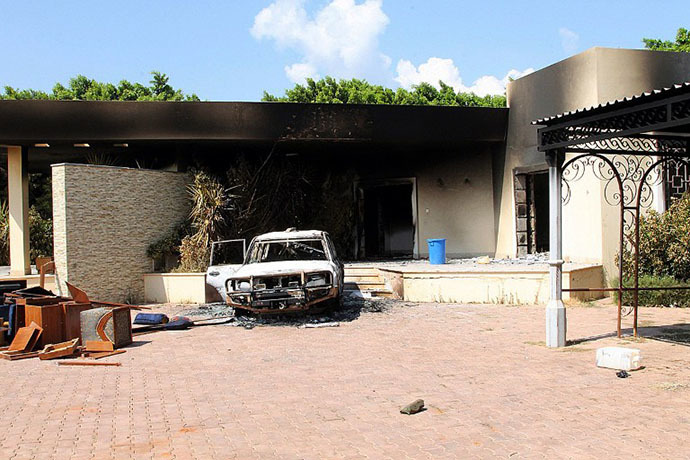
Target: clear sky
(235, 49)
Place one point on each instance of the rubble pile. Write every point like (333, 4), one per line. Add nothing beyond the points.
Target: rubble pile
(39, 324)
(351, 309)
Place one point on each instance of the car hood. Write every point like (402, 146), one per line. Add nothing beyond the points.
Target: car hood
(284, 267)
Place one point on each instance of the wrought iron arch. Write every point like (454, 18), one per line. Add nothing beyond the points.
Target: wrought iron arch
(630, 183)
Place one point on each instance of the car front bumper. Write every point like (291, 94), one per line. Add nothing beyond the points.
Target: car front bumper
(282, 300)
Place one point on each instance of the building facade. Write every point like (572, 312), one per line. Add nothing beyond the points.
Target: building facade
(470, 175)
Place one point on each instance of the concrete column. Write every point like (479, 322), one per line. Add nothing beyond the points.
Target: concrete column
(18, 198)
(556, 324)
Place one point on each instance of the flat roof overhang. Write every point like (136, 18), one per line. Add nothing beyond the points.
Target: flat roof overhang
(65, 122)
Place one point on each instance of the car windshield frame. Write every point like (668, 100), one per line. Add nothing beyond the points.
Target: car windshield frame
(261, 251)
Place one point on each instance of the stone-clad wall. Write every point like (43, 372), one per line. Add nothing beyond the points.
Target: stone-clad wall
(104, 219)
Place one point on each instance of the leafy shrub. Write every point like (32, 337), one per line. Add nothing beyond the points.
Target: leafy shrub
(40, 235)
(664, 256)
(168, 247)
(664, 243)
(665, 298)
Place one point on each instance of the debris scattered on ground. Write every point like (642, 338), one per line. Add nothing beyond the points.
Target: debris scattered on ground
(26, 338)
(99, 345)
(102, 354)
(622, 374)
(84, 362)
(619, 358)
(317, 325)
(58, 324)
(150, 319)
(529, 259)
(178, 323)
(413, 408)
(59, 350)
(351, 309)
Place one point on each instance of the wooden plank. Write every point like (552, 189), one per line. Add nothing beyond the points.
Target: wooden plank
(59, 350)
(87, 363)
(71, 311)
(50, 318)
(103, 354)
(99, 345)
(13, 356)
(43, 300)
(26, 337)
(77, 294)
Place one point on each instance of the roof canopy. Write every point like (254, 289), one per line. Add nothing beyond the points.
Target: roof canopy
(31, 122)
(656, 122)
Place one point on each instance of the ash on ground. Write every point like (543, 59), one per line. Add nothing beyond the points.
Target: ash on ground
(528, 259)
(350, 310)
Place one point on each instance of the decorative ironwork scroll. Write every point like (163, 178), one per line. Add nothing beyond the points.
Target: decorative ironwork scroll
(630, 182)
(584, 130)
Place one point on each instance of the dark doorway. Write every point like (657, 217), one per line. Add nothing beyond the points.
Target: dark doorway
(532, 212)
(387, 227)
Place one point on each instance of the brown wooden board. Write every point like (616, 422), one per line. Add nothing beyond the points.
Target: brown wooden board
(103, 354)
(99, 345)
(59, 350)
(26, 337)
(44, 300)
(71, 312)
(16, 355)
(87, 363)
(50, 318)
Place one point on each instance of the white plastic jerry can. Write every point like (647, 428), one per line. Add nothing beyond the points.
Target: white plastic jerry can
(620, 358)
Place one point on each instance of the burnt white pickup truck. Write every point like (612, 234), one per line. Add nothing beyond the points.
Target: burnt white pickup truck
(283, 272)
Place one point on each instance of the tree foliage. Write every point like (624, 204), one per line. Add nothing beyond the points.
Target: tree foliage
(328, 90)
(682, 42)
(85, 89)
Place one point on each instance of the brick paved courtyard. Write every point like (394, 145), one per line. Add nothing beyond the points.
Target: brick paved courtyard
(492, 390)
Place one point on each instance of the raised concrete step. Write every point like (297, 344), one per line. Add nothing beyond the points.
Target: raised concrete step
(361, 285)
(365, 282)
(355, 278)
(365, 273)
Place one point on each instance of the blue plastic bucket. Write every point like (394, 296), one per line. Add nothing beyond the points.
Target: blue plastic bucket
(437, 251)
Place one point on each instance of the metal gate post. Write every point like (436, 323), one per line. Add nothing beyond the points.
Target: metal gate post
(556, 324)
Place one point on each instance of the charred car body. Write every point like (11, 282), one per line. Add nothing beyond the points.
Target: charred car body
(286, 272)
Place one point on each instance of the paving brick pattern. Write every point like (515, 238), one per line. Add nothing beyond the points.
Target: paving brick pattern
(491, 388)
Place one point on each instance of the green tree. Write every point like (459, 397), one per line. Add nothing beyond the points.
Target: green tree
(331, 91)
(682, 42)
(85, 89)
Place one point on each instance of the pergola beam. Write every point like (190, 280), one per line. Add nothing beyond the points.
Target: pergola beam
(608, 122)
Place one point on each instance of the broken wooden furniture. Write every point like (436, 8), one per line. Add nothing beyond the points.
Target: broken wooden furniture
(47, 313)
(107, 324)
(71, 312)
(59, 350)
(23, 344)
(46, 266)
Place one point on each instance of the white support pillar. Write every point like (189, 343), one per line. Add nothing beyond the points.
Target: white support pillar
(556, 324)
(18, 198)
